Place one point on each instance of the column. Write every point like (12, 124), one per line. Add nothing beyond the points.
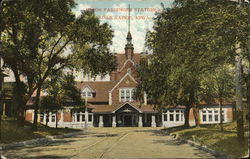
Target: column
(33, 114)
(114, 121)
(162, 119)
(61, 121)
(153, 124)
(44, 118)
(140, 120)
(50, 117)
(4, 109)
(86, 115)
(132, 117)
(100, 121)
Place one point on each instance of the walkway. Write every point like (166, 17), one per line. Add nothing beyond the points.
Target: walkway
(113, 143)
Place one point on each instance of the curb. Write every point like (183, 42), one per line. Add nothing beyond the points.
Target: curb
(39, 141)
(201, 147)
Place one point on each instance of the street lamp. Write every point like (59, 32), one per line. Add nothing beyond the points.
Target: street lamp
(86, 110)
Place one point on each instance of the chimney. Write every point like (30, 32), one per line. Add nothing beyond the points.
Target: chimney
(110, 98)
(145, 98)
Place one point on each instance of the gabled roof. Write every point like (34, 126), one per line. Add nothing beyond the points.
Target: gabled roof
(113, 108)
(121, 59)
(126, 75)
(122, 105)
(128, 60)
(87, 86)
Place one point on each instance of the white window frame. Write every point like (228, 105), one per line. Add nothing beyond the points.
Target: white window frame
(81, 114)
(128, 94)
(174, 112)
(205, 111)
(86, 92)
(53, 115)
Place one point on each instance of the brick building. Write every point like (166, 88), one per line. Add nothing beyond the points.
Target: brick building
(112, 103)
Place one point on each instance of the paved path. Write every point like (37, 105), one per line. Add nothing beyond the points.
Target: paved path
(113, 143)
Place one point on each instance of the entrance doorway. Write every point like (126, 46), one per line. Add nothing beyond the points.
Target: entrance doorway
(128, 120)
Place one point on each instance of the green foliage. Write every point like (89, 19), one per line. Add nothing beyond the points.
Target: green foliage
(11, 131)
(60, 90)
(191, 41)
(41, 38)
(210, 135)
(218, 84)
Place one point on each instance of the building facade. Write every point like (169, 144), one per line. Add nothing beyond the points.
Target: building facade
(111, 103)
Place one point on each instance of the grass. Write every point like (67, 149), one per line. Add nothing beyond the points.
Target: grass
(13, 131)
(221, 141)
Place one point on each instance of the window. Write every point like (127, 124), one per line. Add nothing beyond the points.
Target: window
(86, 92)
(83, 117)
(216, 117)
(204, 117)
(133, 94)
(122, 95)
(174, 115)
(171, 116)
(41, 118)
(127, 94)
(90, 118)
(78, 117)
(212, 115)
(177, 117)
(165, 117)
(53, 118)
(89, 94)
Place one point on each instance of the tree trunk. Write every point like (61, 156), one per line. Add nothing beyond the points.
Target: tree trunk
(47, 117)
(196, 115)
(221, 120)
(37, 101)
(21, 102)
(0, 125)
(187, 111)
(195, 107)
(239, 104)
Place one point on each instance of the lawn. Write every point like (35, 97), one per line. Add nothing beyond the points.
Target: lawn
(210, 135)
(12, 131)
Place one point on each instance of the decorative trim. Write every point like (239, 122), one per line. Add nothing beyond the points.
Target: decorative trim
(126, 63)
(86, 85)
(127, 74)
(124, 105)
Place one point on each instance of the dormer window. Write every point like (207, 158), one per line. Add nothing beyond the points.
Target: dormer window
(87, 92)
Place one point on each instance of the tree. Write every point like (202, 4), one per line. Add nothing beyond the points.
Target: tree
(190, 39)
(59, 89)
(218, 85)
(38, 36)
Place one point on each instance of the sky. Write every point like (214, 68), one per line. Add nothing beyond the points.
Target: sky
(115, 13)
